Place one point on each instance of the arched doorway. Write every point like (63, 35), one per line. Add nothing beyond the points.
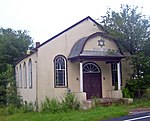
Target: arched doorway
(92, 83)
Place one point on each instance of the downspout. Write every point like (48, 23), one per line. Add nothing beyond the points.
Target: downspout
(36, 83)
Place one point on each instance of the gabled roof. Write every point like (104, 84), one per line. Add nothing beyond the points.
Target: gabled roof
(88, 17)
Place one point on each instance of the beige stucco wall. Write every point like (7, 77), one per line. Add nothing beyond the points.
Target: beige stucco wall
(27, 94)
(43, 77)
(61, 45)
(127, 69)
(92, 44)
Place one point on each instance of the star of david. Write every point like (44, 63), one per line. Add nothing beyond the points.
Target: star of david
(101, 43)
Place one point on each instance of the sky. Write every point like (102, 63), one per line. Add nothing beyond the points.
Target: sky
(46, 18)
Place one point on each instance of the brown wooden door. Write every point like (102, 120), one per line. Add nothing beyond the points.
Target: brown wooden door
(92, 85)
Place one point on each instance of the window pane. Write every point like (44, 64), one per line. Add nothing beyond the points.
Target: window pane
(60, 71)
(30, 74)
(20, 77)
(114, 74)
(25, 75)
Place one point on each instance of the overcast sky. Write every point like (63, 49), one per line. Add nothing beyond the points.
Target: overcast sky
(46, 18)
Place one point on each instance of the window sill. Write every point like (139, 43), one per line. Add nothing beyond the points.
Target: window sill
(61, 86)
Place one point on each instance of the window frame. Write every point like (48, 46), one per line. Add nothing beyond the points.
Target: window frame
(30, 76)
(116, 80)
(65, 71)
(17, 77)
(25, 75)
(20, 76)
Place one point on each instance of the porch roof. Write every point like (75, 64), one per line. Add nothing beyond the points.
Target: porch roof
(78, 54)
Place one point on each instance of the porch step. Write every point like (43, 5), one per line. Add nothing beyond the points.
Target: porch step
(104, 102)
(87, 104)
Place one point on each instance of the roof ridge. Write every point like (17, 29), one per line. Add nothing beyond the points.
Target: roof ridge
(88, 17)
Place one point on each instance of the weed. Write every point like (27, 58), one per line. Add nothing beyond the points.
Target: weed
(51, 105)
(70, 101)
(9, 110)
(27, 107)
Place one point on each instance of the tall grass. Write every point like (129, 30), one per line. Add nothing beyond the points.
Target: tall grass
(69, 102)
(56, 113)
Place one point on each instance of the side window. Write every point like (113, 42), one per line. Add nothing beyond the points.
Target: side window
(114, 71)
(25, 75)
(114, 74)
(30, 73)
(17, 79)
(20, 76)
(60, 71)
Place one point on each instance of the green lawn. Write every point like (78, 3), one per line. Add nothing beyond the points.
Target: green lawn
(95, 114)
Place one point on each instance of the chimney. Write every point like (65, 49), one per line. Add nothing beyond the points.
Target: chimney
(37, 44)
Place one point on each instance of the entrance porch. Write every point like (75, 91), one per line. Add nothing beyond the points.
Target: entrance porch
(94, 81)
(99, 61)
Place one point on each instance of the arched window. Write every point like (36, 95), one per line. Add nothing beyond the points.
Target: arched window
(90, 68)
(25, 75)
(17, 79)
(20, 75)
(60, 71)
(30, 73)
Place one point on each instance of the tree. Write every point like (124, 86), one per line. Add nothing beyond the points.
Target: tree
(132, 32)
(129, 26)
(146, 48)
(13, 45)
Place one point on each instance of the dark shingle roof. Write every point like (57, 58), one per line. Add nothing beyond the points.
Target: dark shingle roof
(78, 52)
(77, 48)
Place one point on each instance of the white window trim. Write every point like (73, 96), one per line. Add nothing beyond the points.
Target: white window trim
(65, 70)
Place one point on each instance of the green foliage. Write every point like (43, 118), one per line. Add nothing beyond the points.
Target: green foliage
(141, 75)
(129, 27)
(51, 105)
(132, 32)
(13, 45)
(94, 114)
(27, 107)
(126, 93)
(96, 101)
(69, 102)
(11, 109)
(140, 64)
(137, 87)
(146, 49)
(8, 91)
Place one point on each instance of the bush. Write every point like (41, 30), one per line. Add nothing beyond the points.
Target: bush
(69, 102)
(27, 107)
(51, 105)
(136, 87)
(126, 93)
(9, 110)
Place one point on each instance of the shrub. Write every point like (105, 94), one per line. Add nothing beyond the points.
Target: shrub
(70, 101)
(27, 107)
(136, 87)
(96, 101)
(9, 110)
(126, 93)
(51, 105)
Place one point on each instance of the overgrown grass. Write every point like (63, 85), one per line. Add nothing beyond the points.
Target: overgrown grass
(69, 102)
(95, 114)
